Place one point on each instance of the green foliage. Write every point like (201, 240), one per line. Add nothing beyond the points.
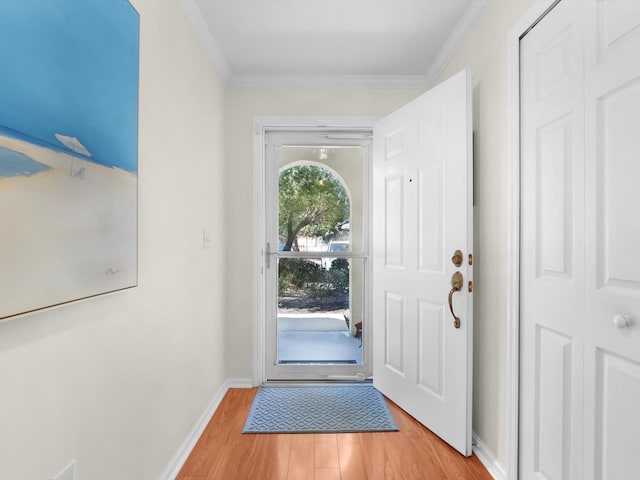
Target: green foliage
(313, 203)
(295, 274)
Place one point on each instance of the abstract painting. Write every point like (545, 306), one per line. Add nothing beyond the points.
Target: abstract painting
(68, 151)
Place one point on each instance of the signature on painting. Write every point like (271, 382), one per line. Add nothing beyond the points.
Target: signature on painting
(113, 271)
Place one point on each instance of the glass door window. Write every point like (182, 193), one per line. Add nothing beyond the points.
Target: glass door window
(316, 303)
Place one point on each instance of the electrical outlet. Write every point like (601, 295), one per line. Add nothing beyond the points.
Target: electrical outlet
(67, 473)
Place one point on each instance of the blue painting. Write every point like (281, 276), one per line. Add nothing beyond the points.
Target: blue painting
(68, 151)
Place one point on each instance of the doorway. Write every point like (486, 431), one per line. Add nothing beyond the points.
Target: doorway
(316, 245)
(422, 325)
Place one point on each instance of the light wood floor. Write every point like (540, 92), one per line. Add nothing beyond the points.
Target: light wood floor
(224, 453)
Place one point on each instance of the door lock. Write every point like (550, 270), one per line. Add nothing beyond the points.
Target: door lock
(457, 258)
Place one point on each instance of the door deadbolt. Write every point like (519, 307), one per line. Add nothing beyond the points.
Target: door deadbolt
(457, 258)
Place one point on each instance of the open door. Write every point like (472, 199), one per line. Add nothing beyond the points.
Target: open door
(422, 243)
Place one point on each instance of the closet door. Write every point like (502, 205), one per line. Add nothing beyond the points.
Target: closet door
(552, 247)
(612, 235)
(580, 247)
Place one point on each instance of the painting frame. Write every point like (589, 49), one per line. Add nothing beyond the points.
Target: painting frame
(69, 97)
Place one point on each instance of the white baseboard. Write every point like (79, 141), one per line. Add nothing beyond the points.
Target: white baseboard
(176, 463)
(488, 459)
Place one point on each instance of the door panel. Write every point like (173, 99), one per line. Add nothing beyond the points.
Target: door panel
(552, 247)
(430, 218)
(394, 220)
(431, 330)
(422, 165)
(554, 165)
(554, 372)
(618, 172)
(612, 226)
(580, 231)
(618, 387)
(394, 321)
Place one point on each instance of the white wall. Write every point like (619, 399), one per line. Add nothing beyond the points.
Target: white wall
(118, 381)
(485, 53)
(241, 106)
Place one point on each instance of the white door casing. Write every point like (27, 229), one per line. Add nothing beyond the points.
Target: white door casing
(580, 232)
(422, 207)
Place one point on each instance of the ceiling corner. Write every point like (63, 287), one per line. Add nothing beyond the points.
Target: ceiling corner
(456, 39)
(194, 15)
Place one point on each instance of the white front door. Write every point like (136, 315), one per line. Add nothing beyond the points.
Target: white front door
(580, 232)
(422, 207)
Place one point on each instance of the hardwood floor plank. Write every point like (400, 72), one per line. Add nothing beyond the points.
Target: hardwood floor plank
(268, 457)
(326, 451)
(352, 466)
(327, 474)
(224, 453)
(199, 463)
(301, 459)
(457, 466)
(231, 459)
(347, 439)
(375, 457)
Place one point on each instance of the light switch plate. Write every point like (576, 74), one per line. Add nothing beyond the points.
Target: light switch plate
(206, 238)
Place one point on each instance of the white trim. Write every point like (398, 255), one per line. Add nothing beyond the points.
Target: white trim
(330, 81)
(260, 125)
(194, 15)
(457, 38)
(539, 9)
(183, 452)
(488, 459)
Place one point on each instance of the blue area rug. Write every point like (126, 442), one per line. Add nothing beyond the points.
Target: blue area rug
(319, 409)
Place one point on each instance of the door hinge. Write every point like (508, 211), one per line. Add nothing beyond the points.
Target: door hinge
(471, 259)
(470, 286)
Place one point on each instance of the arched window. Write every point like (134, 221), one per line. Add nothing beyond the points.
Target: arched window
(313, 203)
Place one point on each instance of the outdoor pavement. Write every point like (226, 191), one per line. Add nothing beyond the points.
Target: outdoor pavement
(322, 337)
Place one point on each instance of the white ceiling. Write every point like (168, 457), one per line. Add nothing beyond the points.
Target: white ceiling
(393, 43)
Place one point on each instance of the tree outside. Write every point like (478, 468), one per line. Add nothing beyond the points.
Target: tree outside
(313, 203)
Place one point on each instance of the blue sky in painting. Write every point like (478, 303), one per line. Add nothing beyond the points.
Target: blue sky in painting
(71, 67)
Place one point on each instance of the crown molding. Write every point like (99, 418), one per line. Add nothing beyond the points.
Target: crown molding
(442, 59)
(194, 15)
(456, 39)
(329, 81)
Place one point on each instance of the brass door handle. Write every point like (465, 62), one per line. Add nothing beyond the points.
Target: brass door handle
(456, 284)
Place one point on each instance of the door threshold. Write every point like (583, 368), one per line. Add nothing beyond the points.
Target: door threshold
(307, 382)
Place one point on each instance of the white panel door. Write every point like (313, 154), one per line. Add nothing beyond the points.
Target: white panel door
(580, 233)
(422, 206)
(612, 236)
(552, 247)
